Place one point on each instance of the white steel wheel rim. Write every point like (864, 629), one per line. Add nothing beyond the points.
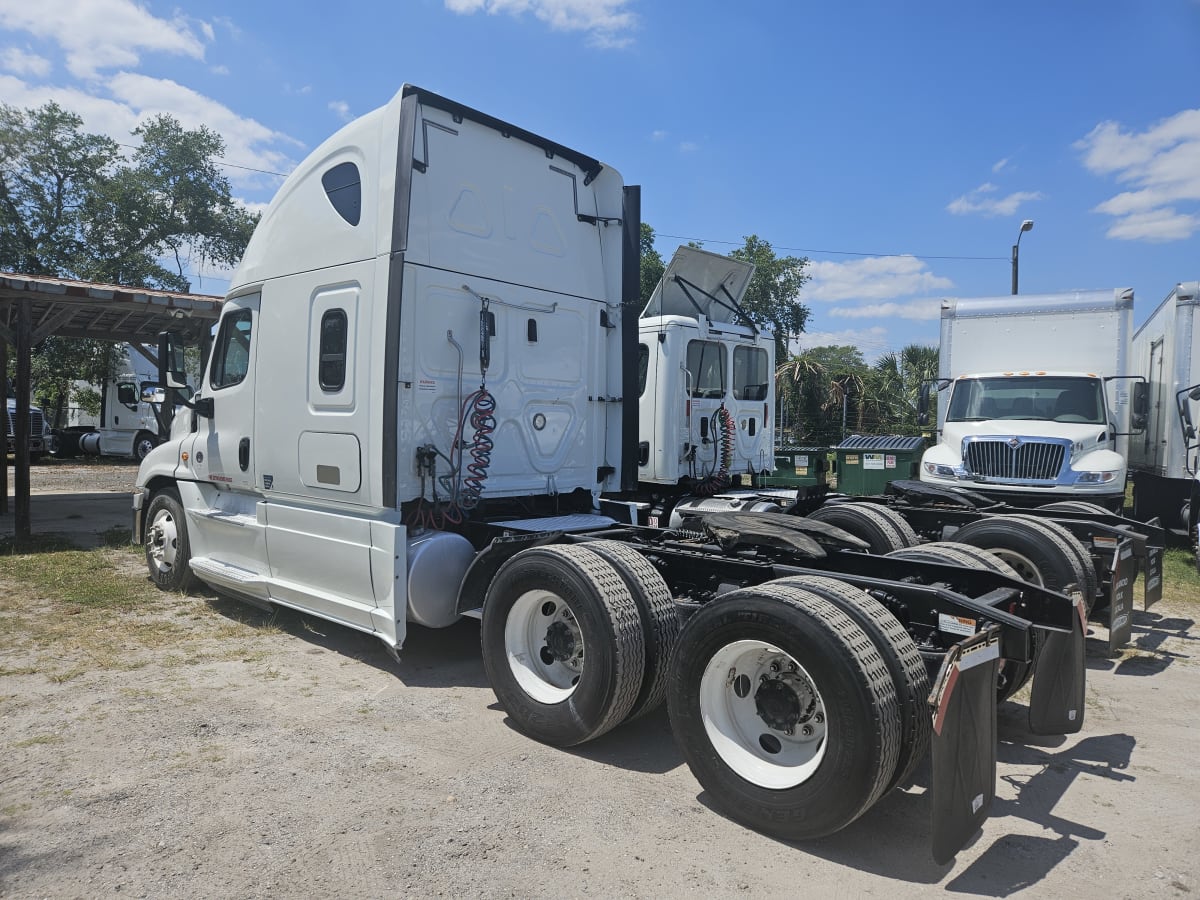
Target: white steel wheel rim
(544, 646)
(763, 754)
(1025, 567)
(164, 541)
(142, 448)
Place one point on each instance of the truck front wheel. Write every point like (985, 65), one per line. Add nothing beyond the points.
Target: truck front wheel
(562, 644)
(143, 444)
(784, 711)
(168, 552)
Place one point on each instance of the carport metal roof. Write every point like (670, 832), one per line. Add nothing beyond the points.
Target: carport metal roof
(34, 307)
(103, 312)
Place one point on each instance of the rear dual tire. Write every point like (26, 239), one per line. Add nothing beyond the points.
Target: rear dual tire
(785, 711)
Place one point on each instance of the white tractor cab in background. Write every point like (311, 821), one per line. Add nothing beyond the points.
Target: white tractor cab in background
(130, 423)
(706, 383)
(421, 401)
(1035, 397)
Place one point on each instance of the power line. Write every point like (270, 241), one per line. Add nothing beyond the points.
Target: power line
(679, 237)
(221, 161)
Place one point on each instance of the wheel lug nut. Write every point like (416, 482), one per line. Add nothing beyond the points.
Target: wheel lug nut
(819, 718)
(807, 730)
(774, 667)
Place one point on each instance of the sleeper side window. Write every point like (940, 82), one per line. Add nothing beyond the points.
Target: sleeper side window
(332, 372)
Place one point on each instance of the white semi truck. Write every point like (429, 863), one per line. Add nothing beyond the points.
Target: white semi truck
(130, 422)
(1034, 401)
(1163, 460)
(419, 406)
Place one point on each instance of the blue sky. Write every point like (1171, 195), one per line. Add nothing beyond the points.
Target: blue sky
(897, 145)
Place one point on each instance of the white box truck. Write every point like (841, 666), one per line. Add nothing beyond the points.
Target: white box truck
(1034, 397)
(1163, 460)
(421, 389)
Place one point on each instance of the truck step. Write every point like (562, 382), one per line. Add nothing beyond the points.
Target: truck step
(206, 567)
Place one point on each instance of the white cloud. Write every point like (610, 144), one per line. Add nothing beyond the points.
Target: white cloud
(1161, 164)
(1156, 226)
(980, 201)
(20, 62)
(247, 141)
(872, 278)
(607, 23)
(220, 70)
(341, 109)
(136, 97)
(688, 147)
(101, 34)
(658, 135)
(1000, 164)
(916, 310)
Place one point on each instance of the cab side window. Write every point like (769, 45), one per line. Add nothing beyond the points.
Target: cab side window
(231, 353)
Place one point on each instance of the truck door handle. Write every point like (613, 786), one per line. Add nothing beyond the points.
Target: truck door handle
(244, 453)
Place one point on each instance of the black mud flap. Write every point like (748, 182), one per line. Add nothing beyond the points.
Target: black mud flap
(963, 703)
(1152, 585)
(1060, 678)
(1120, 608)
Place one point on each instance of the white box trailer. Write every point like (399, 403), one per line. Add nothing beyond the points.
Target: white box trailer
(1037, 403)
(1163, 460)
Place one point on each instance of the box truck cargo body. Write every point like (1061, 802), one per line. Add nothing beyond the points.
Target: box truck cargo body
(1036, 404)
(1163, 460)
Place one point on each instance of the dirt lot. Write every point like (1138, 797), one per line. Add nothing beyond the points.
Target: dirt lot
(156, 745)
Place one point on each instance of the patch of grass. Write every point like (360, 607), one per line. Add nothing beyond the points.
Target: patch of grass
(37, 740)
(87, 578)
(1181, 582)
(20, 670)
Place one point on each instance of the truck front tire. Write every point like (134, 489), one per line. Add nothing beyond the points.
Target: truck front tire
(168, 551)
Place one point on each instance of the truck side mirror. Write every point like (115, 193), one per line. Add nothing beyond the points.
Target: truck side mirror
(923, 404)
(1141, 406)
(171, 372)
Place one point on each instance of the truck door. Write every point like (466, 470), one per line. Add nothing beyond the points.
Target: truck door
(225, 439)
(707, 385)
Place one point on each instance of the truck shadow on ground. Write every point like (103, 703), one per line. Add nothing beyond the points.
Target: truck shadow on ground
(893, 838)
(431, 657)
(1147, 653)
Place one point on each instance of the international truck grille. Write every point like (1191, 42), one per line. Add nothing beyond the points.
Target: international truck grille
(1027, 461)
(35, 424)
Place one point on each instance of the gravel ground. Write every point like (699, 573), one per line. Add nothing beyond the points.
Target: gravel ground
(52, 476)
(259, 755)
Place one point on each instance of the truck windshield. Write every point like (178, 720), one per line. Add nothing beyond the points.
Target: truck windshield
(1047, 398)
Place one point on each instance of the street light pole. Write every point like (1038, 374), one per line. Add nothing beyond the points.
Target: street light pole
(1025, 226)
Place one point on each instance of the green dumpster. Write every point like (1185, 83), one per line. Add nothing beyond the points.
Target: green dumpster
(866, 463)
(799, 467)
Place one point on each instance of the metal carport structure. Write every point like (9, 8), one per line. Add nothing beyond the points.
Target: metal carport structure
(34, 307)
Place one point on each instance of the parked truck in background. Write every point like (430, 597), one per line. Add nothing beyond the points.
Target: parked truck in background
(1163, 460)
(129, 423)
(420, 404)
(39, 434)
(1034, 402)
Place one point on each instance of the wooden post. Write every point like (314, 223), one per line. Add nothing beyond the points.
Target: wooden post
(4, 425)
(21, 521)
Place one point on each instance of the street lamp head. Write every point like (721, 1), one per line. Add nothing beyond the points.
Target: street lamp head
(1027, 225)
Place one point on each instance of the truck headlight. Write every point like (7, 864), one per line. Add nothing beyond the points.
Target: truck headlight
(1096, 477)
(940, 471)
